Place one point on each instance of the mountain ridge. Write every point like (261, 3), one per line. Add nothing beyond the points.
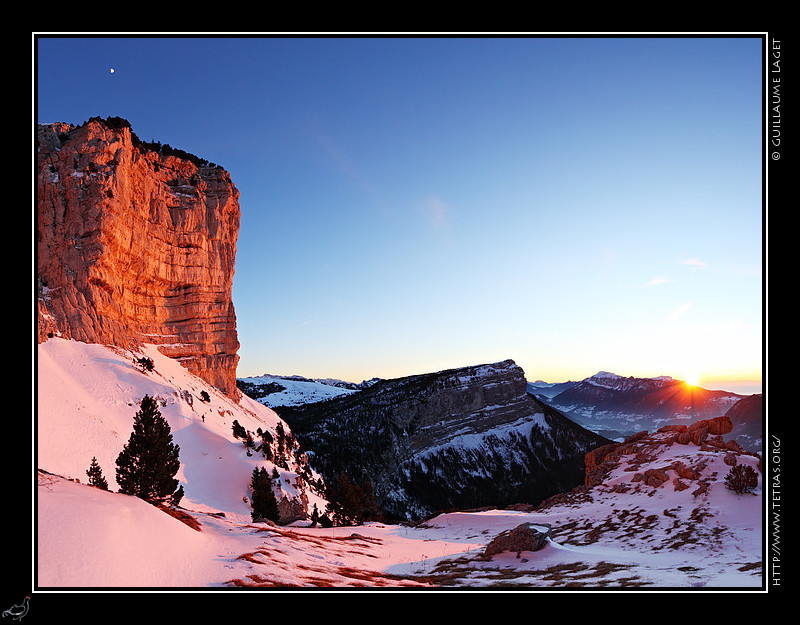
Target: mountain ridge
(619, 406)
(461, 437)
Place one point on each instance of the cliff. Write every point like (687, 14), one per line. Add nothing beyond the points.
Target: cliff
(135, 244)
(460, 438)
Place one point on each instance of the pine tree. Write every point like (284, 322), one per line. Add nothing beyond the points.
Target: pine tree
(145, 364)
(349, 504)
(147, 465)
(249, 443)
(238, 430)
(95, 474)
(280, 436)
(263, 501)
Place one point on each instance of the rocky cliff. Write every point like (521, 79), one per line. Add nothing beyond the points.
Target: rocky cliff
(460, 438)
(135, 243)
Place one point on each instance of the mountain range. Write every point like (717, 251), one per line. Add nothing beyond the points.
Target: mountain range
(460, 438)
(607, 404)
(618, 407)
(371, 431)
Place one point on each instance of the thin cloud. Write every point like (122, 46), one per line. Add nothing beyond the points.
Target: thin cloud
(438, 214)
(694, 262)
(679, 311)
(345, 165)
(658, 280)
(299, 326)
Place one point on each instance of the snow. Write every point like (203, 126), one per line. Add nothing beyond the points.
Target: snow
(606, 374)
(88, 396)
(468, 439)
(297, 391)
(89, 538)
(92, 537)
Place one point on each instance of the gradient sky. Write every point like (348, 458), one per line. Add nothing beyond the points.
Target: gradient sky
(415, 204)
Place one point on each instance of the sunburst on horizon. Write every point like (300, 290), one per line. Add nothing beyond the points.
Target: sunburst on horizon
(692, 379)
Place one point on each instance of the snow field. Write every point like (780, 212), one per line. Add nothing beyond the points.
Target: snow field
(88, 538)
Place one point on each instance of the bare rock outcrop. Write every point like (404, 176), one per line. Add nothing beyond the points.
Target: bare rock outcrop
(640, 453)
(136, 244)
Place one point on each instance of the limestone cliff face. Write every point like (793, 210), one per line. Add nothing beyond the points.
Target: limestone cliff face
(136, 245)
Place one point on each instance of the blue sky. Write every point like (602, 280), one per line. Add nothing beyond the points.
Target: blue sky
(414, 204)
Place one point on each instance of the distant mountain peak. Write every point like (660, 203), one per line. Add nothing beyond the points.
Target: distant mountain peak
(606, 374)
(618, 406)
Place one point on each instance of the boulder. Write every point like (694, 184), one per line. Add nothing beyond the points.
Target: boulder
(673, 428)
(655, 477)
(596, 456)
(525, 537)
(698, 435)
(687, 473)
(716, 426)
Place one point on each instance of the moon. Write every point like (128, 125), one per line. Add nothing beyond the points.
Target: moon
(112, 70)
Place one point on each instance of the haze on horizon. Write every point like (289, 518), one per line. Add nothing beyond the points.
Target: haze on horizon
(410, 205)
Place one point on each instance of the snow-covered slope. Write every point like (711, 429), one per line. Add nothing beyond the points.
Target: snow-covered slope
(273, 390)
(623, 532)
(88, 396)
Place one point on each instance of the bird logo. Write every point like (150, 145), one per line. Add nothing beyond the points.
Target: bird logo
(18, 611)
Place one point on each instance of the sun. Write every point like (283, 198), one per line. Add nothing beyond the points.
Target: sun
(692, 379)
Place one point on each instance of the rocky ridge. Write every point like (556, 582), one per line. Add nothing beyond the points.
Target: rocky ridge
(676, 456)
(136, 244)
(640, 449)
(657, 500)
(459, 438)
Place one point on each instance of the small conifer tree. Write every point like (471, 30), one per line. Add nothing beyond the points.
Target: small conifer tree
(145, 364)
(263, 501)
(238, 430)
(176, 497)
(147, 465)
(95, 474)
